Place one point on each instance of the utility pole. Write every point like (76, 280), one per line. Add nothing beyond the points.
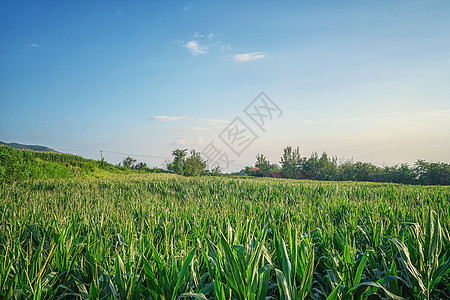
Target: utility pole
(101, 155)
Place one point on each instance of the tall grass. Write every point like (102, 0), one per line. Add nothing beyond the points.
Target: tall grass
(169, 237)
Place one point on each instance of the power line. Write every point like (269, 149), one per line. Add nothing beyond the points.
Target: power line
(79, 150)
(131, 154)
(113, 152)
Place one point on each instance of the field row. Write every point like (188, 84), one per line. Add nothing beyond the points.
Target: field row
(164, 237)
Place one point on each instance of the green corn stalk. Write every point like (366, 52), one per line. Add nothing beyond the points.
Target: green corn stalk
(128, 237)
(244, 269)
(429, 269)
(297, 265)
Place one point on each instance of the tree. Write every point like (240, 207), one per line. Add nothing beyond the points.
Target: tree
(311, 166)
(398, 174)
(404, 174)
(346, 170)
(215, 171)
(194, 165)
(291, 162)
(179, 158)
(359, 171)
(366, 171)
(275, 168)
(323, 168)
(264, 165)
(128, 162)
(432, 173)
(140, 166)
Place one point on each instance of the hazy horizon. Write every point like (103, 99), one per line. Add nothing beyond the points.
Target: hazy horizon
(361, 80)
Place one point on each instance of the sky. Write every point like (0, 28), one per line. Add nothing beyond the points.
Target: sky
(362, 80)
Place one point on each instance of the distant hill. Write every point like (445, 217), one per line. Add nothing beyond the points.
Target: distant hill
(22, 164)
(28, 147)
(18, 165)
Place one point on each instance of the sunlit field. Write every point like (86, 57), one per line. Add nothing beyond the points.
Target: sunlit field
(163, 236)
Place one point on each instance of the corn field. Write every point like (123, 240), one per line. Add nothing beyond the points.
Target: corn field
(167, 237)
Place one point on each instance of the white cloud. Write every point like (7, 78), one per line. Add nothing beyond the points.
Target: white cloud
(210, 122)
(167, 118)
(197, 35)
(243, 57)
(214, 122)
(33, 45)
(189, 129)
(70, 119)
(188, 142)
(195, 48)
(226, 47)
(188, 6)
(309, 122)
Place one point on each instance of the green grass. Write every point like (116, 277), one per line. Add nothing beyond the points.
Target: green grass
(19, 165)
(161, 236)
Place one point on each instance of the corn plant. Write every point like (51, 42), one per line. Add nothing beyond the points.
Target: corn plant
(244, 267)
(160, 236)
(297, 267)
(421, 258)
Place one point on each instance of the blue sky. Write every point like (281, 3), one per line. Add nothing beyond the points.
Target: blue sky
(359, 79)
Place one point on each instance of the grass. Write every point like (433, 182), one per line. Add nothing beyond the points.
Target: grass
(19, 165)
(161, 236)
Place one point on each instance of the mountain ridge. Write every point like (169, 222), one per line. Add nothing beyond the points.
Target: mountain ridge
(29, 147)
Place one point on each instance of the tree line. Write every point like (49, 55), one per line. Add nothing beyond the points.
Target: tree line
(323, 167)
(319, 167)
(16, 165)
(190, 165)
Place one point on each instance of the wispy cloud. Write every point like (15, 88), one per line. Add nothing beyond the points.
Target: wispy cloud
(188, 6)
(225, 47)
(197, 35)
(189, 129)
(244, 57)
(39, 135)
(167, 118)
(33, 45)
(187, 142)
(195, 48)
(214, 122)
(70, 119)
(309, 122)
(210, 123)
(204, 43)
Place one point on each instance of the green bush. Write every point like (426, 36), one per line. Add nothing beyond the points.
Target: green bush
(18, 165)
